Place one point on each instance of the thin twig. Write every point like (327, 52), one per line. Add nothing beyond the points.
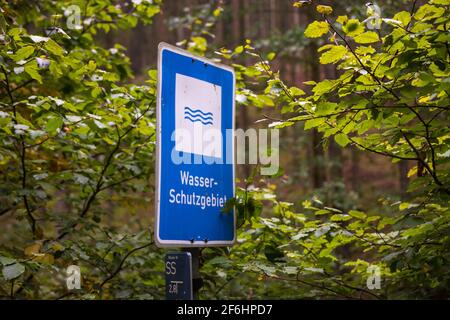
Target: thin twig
(22, 154)
(119, 267)
(99, 185)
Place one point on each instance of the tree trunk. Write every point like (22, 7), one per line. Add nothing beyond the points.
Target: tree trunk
(403, 178)
(354, 172)
(317, 162)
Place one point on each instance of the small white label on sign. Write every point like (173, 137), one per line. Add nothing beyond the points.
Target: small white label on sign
(197, 116)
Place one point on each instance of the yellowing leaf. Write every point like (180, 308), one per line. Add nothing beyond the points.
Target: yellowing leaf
(412, 171)
(316, 29)
(333, 55)
(342, 19)
(44, 258)
(299, 4)
(239, 49)
(57, 246)
(403, 206)
(325, 10)
(367, 37)
(33, 249)
(217, 11)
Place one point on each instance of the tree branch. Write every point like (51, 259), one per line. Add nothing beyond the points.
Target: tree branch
(310, 284)
(22, 154)
(120, 266)
(360, 62)
(99, 185)
(423, 162)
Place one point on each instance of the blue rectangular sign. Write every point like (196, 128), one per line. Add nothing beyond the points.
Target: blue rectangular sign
(178, 270)
(195, 150)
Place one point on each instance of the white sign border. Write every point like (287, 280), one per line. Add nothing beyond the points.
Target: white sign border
(186, 243)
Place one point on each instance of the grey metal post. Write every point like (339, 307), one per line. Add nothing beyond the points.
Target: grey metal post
(197, 281)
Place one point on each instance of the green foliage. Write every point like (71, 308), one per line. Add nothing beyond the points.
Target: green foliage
(76, 141)
(77, 153)
(316, 29)
(390, 98)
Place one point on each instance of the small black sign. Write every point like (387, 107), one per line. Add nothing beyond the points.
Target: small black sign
(178, 276)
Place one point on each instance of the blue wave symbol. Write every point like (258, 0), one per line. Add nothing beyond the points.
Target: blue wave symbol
(197, 115)
(199, 120)
(198, 111)
(188, 113)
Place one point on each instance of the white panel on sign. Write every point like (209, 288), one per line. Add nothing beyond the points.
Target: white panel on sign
(197, 115)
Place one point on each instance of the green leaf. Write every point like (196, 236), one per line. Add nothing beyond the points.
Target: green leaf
(342, 139)
(153, 74)
(324, 86)
(222, 261)
(310, 82)
(321, 212)
(23, 53)
(324, 108)
(353, 27)
(13, 271)
(33, 71)
(316, 29)
(281, 124)
(363, 50)
(333, 55)
(340, 217)
(54, 48)
(367, 37)
(403, 16)
(404, 206)
(443, 2)
(312, 123)
(53, 124)
(357, 214)
(199, 43)
(294, 91)
(271, 56)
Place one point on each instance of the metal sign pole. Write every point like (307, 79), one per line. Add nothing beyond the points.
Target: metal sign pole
(197, 281)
